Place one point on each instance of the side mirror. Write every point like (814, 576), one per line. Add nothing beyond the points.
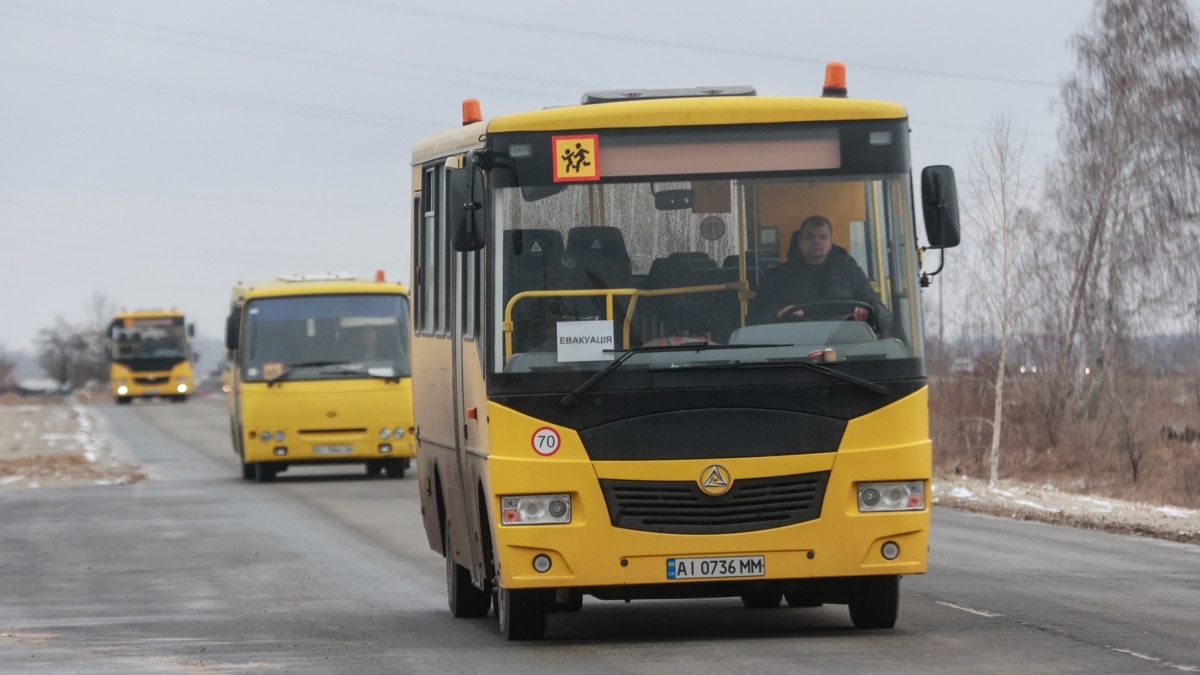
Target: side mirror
(231, 331)
(465, 196)
(191, 330)
(939, 197)
(196, 357)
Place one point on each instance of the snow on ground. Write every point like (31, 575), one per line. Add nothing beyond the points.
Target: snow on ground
(1050, 504)
(53, 444)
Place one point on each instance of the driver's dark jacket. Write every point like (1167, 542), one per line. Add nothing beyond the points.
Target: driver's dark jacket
(795, 282)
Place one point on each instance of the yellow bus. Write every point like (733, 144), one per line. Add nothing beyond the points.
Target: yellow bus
(318, 370)
(597, 413)
(151, 355)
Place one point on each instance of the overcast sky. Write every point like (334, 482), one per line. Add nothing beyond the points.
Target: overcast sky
(158, 151)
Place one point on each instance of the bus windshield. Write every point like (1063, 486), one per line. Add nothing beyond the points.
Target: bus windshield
(330, 336)
(592, 268)
(149, 339)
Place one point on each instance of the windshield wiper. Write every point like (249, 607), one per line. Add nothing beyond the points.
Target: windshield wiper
(825, 370)
(698, 346)
(307, 364)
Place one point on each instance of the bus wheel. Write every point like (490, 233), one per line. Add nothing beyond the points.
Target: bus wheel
(179, 399)
(522, 614)
(875, 602)
(395, 468)
(248, 471)
(466, 601)
(124, 400)
(761, 599)
(263, 472)
(374, 469)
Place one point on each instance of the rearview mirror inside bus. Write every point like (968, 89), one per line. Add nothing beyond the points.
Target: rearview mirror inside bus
(939, 197)
(532, 193)
(466, 204)
(673, 200)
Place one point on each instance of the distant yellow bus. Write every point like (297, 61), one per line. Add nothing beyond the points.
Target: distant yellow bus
(600, 414)
(319, 373)
(151, 356)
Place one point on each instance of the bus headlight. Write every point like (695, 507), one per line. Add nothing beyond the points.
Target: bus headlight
(892, 496)
(265, 437)
(535, 509)
(280, 437)
(399, 432)
(122, 390)
(182, 388)
(385, 433)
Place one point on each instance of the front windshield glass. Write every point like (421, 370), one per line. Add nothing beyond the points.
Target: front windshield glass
(654, 258)
(149, 339)
(317, 337)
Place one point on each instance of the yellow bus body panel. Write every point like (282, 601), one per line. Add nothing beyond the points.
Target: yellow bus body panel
(327, 414)
(890, 444)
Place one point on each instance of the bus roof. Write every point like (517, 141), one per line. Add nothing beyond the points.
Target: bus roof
(661, 112)
(314, 284)
(147, 314)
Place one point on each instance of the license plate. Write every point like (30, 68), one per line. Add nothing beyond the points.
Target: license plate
(333, 449)
(716, 567)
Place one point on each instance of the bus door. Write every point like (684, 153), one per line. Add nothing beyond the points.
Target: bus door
(463, 299)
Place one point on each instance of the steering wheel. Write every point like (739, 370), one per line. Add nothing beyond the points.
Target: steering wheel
(825, 310)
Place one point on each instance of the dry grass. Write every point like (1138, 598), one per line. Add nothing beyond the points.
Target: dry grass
(1089, 455)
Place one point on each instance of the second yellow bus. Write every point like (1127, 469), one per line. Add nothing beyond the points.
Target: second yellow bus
(319, 373)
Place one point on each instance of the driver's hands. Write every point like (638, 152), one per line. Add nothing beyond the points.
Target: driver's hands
(789, 312)
(858, 314)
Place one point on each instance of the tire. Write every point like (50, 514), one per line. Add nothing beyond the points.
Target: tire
(374, 469)
(465, 600)
(761, 599)
(263, 472)
(182, 398)
(395, 468)
(522, 614)
(875, 602)
(124, 400)
(248, 472)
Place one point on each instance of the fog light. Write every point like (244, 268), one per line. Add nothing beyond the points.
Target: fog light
(122, 390)
(280, 451)
(890, 550)
(385, 448)
(541, 563)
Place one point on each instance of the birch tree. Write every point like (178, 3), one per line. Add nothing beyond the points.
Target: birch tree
(1126, 185)
(1003, 228)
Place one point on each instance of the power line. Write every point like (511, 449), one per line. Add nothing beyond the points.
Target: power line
(707, 48)
(262, 44)
(228, 100)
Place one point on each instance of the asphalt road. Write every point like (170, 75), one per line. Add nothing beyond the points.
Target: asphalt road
(328, 571)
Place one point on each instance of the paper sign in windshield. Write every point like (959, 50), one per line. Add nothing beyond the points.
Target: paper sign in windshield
(585, 341)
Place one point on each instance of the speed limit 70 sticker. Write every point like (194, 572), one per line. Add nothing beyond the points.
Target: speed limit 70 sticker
(545, 441)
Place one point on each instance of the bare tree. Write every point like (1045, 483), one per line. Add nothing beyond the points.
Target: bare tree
(1126, 184)
(1003, 224)
(7, 366)
(58, 348)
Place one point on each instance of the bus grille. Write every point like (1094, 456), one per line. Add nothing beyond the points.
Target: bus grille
(680, 507)
(152, 379)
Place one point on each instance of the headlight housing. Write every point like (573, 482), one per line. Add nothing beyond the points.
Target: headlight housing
(891, 496)
(535, 509)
